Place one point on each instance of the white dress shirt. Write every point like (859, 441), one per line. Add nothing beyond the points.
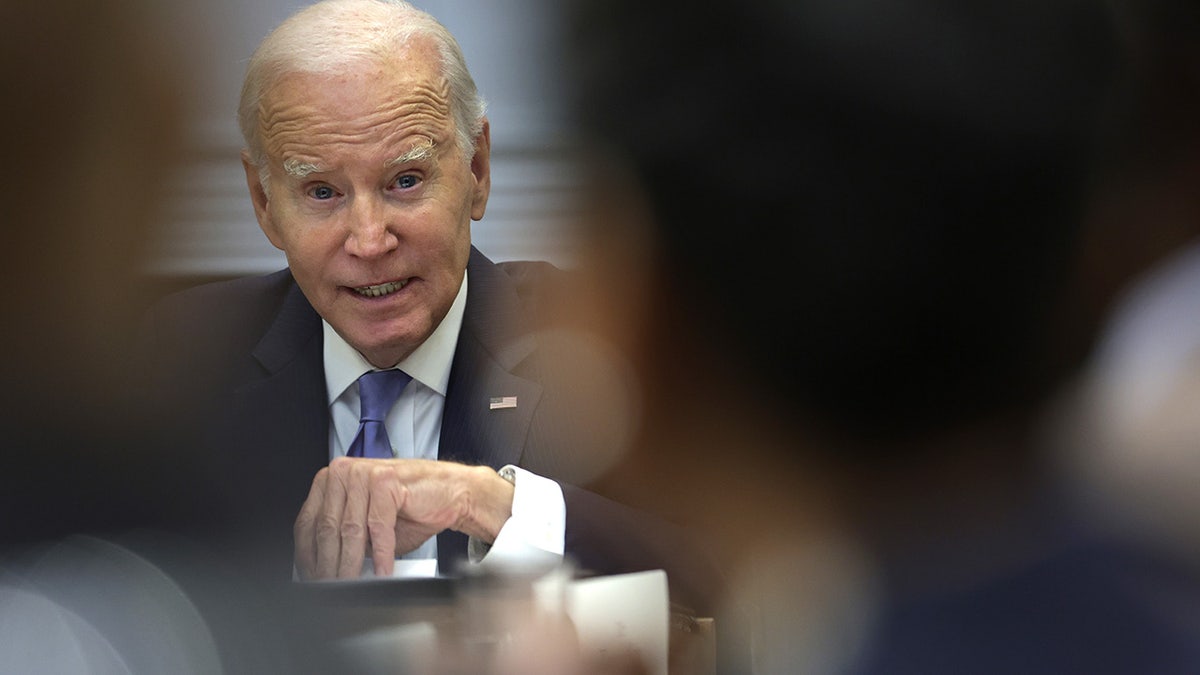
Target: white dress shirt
(538, 523)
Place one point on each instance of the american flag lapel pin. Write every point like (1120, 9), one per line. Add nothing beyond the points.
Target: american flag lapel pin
(501, 402)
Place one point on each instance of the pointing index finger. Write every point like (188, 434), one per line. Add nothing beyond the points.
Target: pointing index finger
(387, 496)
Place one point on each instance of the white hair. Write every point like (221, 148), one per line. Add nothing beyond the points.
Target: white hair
(332, 34)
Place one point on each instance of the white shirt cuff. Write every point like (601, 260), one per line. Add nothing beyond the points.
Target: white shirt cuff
(537, 528)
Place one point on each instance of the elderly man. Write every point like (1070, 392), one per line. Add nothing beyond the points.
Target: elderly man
(367, 159)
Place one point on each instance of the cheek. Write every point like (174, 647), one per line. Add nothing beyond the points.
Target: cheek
(304, 235)
(457, 245)
(309, 252)
(440, 233)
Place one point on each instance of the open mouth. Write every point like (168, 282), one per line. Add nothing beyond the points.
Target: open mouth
(380, 290)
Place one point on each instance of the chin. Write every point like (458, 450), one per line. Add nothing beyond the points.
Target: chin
(393, 350)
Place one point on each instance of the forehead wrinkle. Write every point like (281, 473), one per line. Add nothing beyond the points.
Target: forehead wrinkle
(304, 129)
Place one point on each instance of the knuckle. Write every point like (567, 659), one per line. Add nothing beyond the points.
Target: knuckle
(303, 524)
(351, 530)
(327, 526)
(385, 483)
(380, 474)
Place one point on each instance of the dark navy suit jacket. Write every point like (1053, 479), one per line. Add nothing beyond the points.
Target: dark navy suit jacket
(239, 366)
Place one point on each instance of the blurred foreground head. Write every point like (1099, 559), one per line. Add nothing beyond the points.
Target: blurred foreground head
(92, 115)
(869, 209)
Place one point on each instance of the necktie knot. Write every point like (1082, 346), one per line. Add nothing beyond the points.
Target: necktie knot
(377, 392)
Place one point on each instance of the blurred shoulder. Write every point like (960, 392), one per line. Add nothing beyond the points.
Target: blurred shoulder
(235, 310)
(222, 296)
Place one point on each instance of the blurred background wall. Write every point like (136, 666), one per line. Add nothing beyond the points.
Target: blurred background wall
(208, 231)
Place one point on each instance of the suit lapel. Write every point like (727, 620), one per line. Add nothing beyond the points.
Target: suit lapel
(475, 431)
(494, 340)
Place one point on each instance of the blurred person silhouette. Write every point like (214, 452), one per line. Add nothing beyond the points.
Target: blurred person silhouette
(839, 241)
(90, 143)
(95, 575)
(1126, 433)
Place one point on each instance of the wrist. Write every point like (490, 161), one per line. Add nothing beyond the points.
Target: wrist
(490, 503)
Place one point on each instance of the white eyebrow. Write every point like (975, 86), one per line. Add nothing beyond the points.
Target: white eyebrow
(417, 154)
(294, 167)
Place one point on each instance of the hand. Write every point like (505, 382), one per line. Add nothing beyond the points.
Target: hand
(390, 507)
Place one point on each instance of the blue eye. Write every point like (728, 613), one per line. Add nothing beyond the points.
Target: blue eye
(322, 192)
(407, 181)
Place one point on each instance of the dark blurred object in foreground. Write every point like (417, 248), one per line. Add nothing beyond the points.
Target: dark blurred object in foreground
(94, 573)
(897, 185)
(842, 243)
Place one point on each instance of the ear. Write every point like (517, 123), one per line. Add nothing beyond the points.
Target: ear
(258, 197)
(481, 169)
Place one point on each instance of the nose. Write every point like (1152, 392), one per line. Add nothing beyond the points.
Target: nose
(370, 233)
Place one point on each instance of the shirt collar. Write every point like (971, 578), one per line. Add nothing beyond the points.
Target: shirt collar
(428, 364)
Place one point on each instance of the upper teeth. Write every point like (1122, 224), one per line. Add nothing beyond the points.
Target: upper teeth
(381, 289)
